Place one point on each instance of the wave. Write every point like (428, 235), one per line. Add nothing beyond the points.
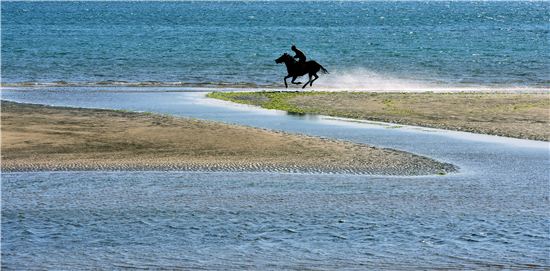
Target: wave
(114, 83)
(337, 80)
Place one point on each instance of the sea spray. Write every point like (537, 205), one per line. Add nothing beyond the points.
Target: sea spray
(366, 80)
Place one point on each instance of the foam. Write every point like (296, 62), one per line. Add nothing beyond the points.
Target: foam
(360, 79)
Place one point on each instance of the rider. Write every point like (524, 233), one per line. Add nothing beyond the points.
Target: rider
(299, 55)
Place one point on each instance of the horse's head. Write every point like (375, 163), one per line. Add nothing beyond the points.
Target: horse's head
(283, 59)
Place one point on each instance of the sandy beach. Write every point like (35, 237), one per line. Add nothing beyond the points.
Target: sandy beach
(36, 137)
(524, 115)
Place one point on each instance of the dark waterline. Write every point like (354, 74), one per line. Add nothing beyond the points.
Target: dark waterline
(492, 214)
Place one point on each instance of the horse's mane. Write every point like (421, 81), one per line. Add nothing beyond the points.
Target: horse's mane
(291, 58)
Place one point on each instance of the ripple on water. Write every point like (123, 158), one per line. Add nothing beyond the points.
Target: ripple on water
(254, 220)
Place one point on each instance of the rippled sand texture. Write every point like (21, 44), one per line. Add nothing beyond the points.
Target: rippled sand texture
(36, 137)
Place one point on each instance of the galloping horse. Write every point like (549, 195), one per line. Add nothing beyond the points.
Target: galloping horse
(296, 69)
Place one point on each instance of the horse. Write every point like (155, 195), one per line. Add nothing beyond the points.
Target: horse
(295, 69)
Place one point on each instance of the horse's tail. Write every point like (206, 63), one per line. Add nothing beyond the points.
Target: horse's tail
(323, 69)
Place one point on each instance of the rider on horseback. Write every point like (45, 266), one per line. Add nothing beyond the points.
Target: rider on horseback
(295, 69)
(299, 55)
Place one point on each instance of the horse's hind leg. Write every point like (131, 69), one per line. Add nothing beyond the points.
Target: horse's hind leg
(294, 78)
(316, 77)
(307, 81)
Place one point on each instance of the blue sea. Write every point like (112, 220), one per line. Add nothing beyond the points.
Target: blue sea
(381, 45)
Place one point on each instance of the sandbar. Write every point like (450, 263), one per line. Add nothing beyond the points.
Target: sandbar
(518, 115)
(45, 138)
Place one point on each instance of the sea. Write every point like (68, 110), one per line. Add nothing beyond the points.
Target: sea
(370, 45)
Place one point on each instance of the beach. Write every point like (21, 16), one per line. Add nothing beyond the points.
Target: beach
(36, 137)
(518, 115)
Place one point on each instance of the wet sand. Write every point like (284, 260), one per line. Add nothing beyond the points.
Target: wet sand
(36, 137)
(519, 115)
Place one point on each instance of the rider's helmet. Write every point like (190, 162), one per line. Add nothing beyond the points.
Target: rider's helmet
(293, 47)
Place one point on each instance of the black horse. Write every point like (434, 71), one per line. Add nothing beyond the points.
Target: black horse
(296, 69)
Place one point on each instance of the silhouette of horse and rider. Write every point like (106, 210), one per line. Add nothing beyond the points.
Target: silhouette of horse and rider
(301, 67)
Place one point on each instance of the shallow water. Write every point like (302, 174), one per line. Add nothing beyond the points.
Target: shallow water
(264, 221)
(380, 45)
(493, 213)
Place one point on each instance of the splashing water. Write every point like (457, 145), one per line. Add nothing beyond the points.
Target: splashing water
(363, 79)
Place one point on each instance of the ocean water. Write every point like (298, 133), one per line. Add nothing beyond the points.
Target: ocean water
(382, 45)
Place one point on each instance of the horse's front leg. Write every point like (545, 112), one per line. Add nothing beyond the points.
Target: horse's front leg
(286, 77)
(294, 78)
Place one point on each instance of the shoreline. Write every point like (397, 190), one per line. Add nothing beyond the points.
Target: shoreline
(514, 115)
(253, 87)
(45, 138)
